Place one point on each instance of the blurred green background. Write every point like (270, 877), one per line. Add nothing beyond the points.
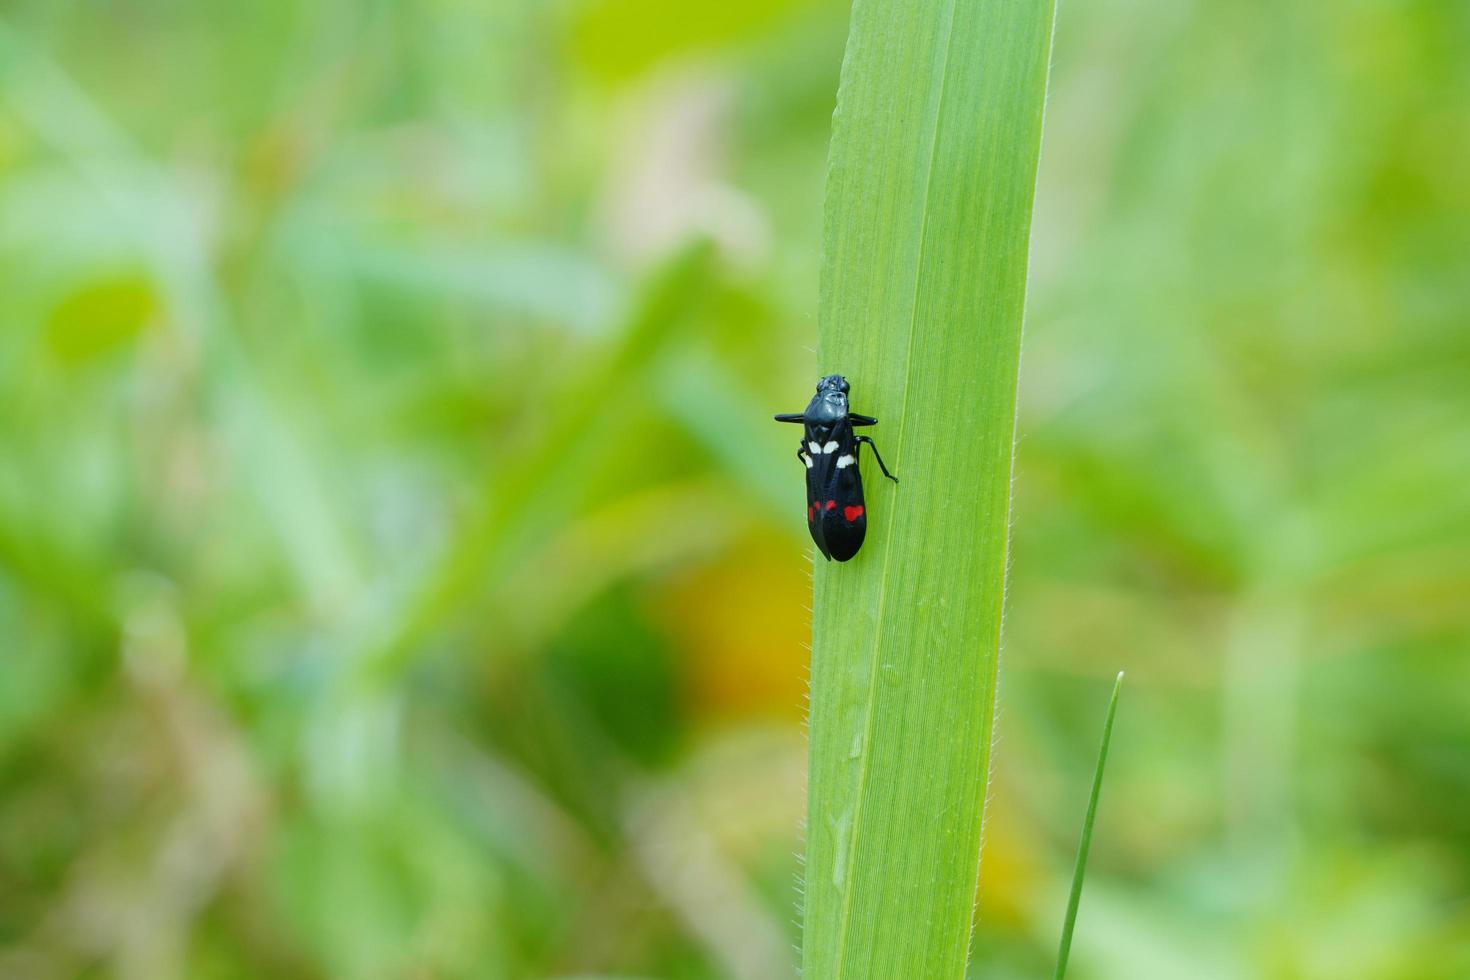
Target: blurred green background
(400, 575)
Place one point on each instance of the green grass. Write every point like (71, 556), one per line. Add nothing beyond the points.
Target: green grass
(1084, 844)
(931, 178)
(311, 569)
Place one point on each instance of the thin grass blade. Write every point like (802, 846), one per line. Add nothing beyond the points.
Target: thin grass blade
(1085, 844)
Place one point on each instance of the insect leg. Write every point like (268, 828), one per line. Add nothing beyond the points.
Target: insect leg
(802, 455)
(870, 442)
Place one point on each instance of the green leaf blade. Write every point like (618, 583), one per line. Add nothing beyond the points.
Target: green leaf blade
(931, 179)
(1084, 843)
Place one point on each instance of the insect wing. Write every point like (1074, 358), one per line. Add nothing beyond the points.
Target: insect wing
(818, 468)
(842, 515)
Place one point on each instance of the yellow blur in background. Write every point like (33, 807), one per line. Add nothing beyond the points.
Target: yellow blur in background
(400, 575)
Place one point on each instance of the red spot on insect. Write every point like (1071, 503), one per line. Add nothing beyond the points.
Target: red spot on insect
(853, 513)
(831, 505)
(811, 512)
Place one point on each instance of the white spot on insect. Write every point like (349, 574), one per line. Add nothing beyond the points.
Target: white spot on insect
(815, 447)
(847, 460)
(808, 461)
(830, 447)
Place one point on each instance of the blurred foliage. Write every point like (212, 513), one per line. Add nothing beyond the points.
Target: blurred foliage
(399, 576)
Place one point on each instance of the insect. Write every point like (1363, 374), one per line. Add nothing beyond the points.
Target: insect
(835, 513)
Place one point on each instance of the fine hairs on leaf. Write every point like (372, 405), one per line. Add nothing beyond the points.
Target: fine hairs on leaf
(1083, 845)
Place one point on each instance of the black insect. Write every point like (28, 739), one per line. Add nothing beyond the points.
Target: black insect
(834, 487)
